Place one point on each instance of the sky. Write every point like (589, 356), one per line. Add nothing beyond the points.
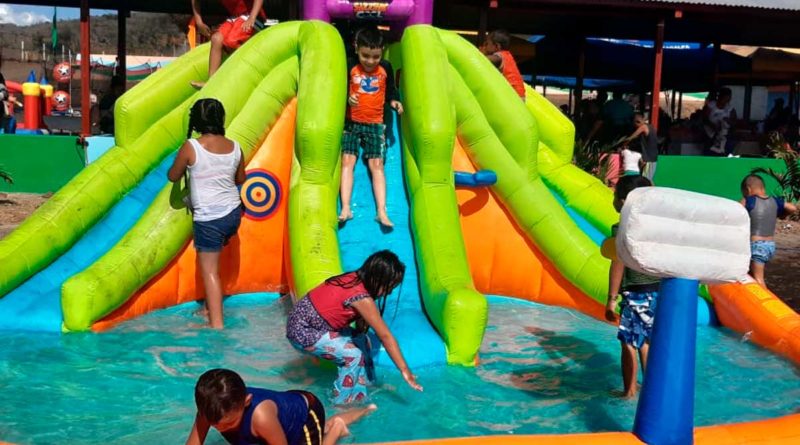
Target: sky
(23, 15)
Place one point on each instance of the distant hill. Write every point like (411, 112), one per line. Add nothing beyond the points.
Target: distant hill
(148, 34)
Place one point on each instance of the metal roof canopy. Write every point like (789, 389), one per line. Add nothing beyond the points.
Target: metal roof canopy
(768, 24)
(275, 8)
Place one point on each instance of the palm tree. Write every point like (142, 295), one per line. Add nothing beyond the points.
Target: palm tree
(788, 181)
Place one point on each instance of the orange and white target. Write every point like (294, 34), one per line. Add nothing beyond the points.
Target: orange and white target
(261, 194)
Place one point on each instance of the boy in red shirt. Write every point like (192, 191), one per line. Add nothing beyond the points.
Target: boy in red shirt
(496, 50)
(241, 25)
(370, 87)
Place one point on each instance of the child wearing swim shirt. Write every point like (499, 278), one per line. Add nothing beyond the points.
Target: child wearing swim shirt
(319, 323)
(496, 50)
(370, 87)
(638, 297)
(246, 17)
(247, 415)
(216, 166)
(764, 212)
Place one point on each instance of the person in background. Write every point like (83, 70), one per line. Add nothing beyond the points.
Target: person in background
(496, 49)
(718, 117)
(647, 141)
(106, 106)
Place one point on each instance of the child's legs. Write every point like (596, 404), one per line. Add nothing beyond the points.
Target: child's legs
(761, 252)
(209, 270)
(336, 427)
(378, 184)
(346, 186)
(629, 368)
(643, 351)
(215, 55)
(350, 386)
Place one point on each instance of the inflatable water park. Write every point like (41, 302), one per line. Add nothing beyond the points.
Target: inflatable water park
(486, 201)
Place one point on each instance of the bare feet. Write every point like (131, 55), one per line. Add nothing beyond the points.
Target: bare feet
(384, 220)
(345, 215)
(198, 84)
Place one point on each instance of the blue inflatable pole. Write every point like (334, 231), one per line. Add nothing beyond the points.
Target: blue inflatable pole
(665, 414)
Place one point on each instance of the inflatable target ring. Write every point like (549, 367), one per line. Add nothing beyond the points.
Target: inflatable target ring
(261, 194)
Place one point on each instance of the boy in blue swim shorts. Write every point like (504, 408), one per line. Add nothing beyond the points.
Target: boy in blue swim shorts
(637, 300)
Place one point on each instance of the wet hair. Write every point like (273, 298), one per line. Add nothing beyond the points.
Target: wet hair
(218, 392)
(380, 274)
(725, 91)
(207, 116)
(627, 184)
(369, 37)
(752, 182)
(501, 38)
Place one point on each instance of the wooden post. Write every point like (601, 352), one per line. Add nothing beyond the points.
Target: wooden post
(680, 105)
(659, 53)
(122, 43)
(579, 79)
(544, 89)
(715, 66)
(483, 25)
(673, 103)
(86, 75)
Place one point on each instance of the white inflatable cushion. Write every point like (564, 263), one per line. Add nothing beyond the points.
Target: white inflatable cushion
(674, 233)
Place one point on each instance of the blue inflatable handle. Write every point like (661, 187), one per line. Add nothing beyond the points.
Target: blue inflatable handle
(665, 414)
(482, 178)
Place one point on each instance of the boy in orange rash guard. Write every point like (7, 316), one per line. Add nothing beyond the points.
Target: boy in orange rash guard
(370, 86)
(496, 49)
(240, 26)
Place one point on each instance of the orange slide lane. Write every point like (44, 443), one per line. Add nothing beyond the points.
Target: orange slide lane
(503, 261)
(253, 260)
(751, 309)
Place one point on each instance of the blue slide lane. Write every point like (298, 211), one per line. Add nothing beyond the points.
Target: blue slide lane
(362, 236)
(36, 304)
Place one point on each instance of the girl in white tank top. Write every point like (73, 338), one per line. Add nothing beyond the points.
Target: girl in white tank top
(215, 166)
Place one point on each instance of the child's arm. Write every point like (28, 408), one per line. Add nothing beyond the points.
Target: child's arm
(636, 133)
(495, 59)
(241, 176)
(182, 160)
(614, 282)
(267, 426)
(367, 309)
(198, 19)
(199, 431)
(251, 20)
(392, 96)
(789, 208)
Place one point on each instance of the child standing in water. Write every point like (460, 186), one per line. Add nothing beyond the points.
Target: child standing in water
(764, 212)
(639, 297)
(246, 415)
(320, 322)
(370, 86)
(216, 167)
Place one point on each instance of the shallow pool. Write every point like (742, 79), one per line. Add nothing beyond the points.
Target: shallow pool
(543, 370)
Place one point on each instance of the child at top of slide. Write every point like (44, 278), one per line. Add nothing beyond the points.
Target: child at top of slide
(246, 18)
(496, 49)
(370, 86)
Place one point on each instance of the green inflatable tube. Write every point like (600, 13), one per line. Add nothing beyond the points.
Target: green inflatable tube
(162, 231)
(481, 92)
(582, 191)
(264, 90)
(456, 309)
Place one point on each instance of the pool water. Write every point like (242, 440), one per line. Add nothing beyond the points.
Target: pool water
(543, 370)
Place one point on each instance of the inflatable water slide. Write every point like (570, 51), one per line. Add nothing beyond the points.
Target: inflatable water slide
(115, 242)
